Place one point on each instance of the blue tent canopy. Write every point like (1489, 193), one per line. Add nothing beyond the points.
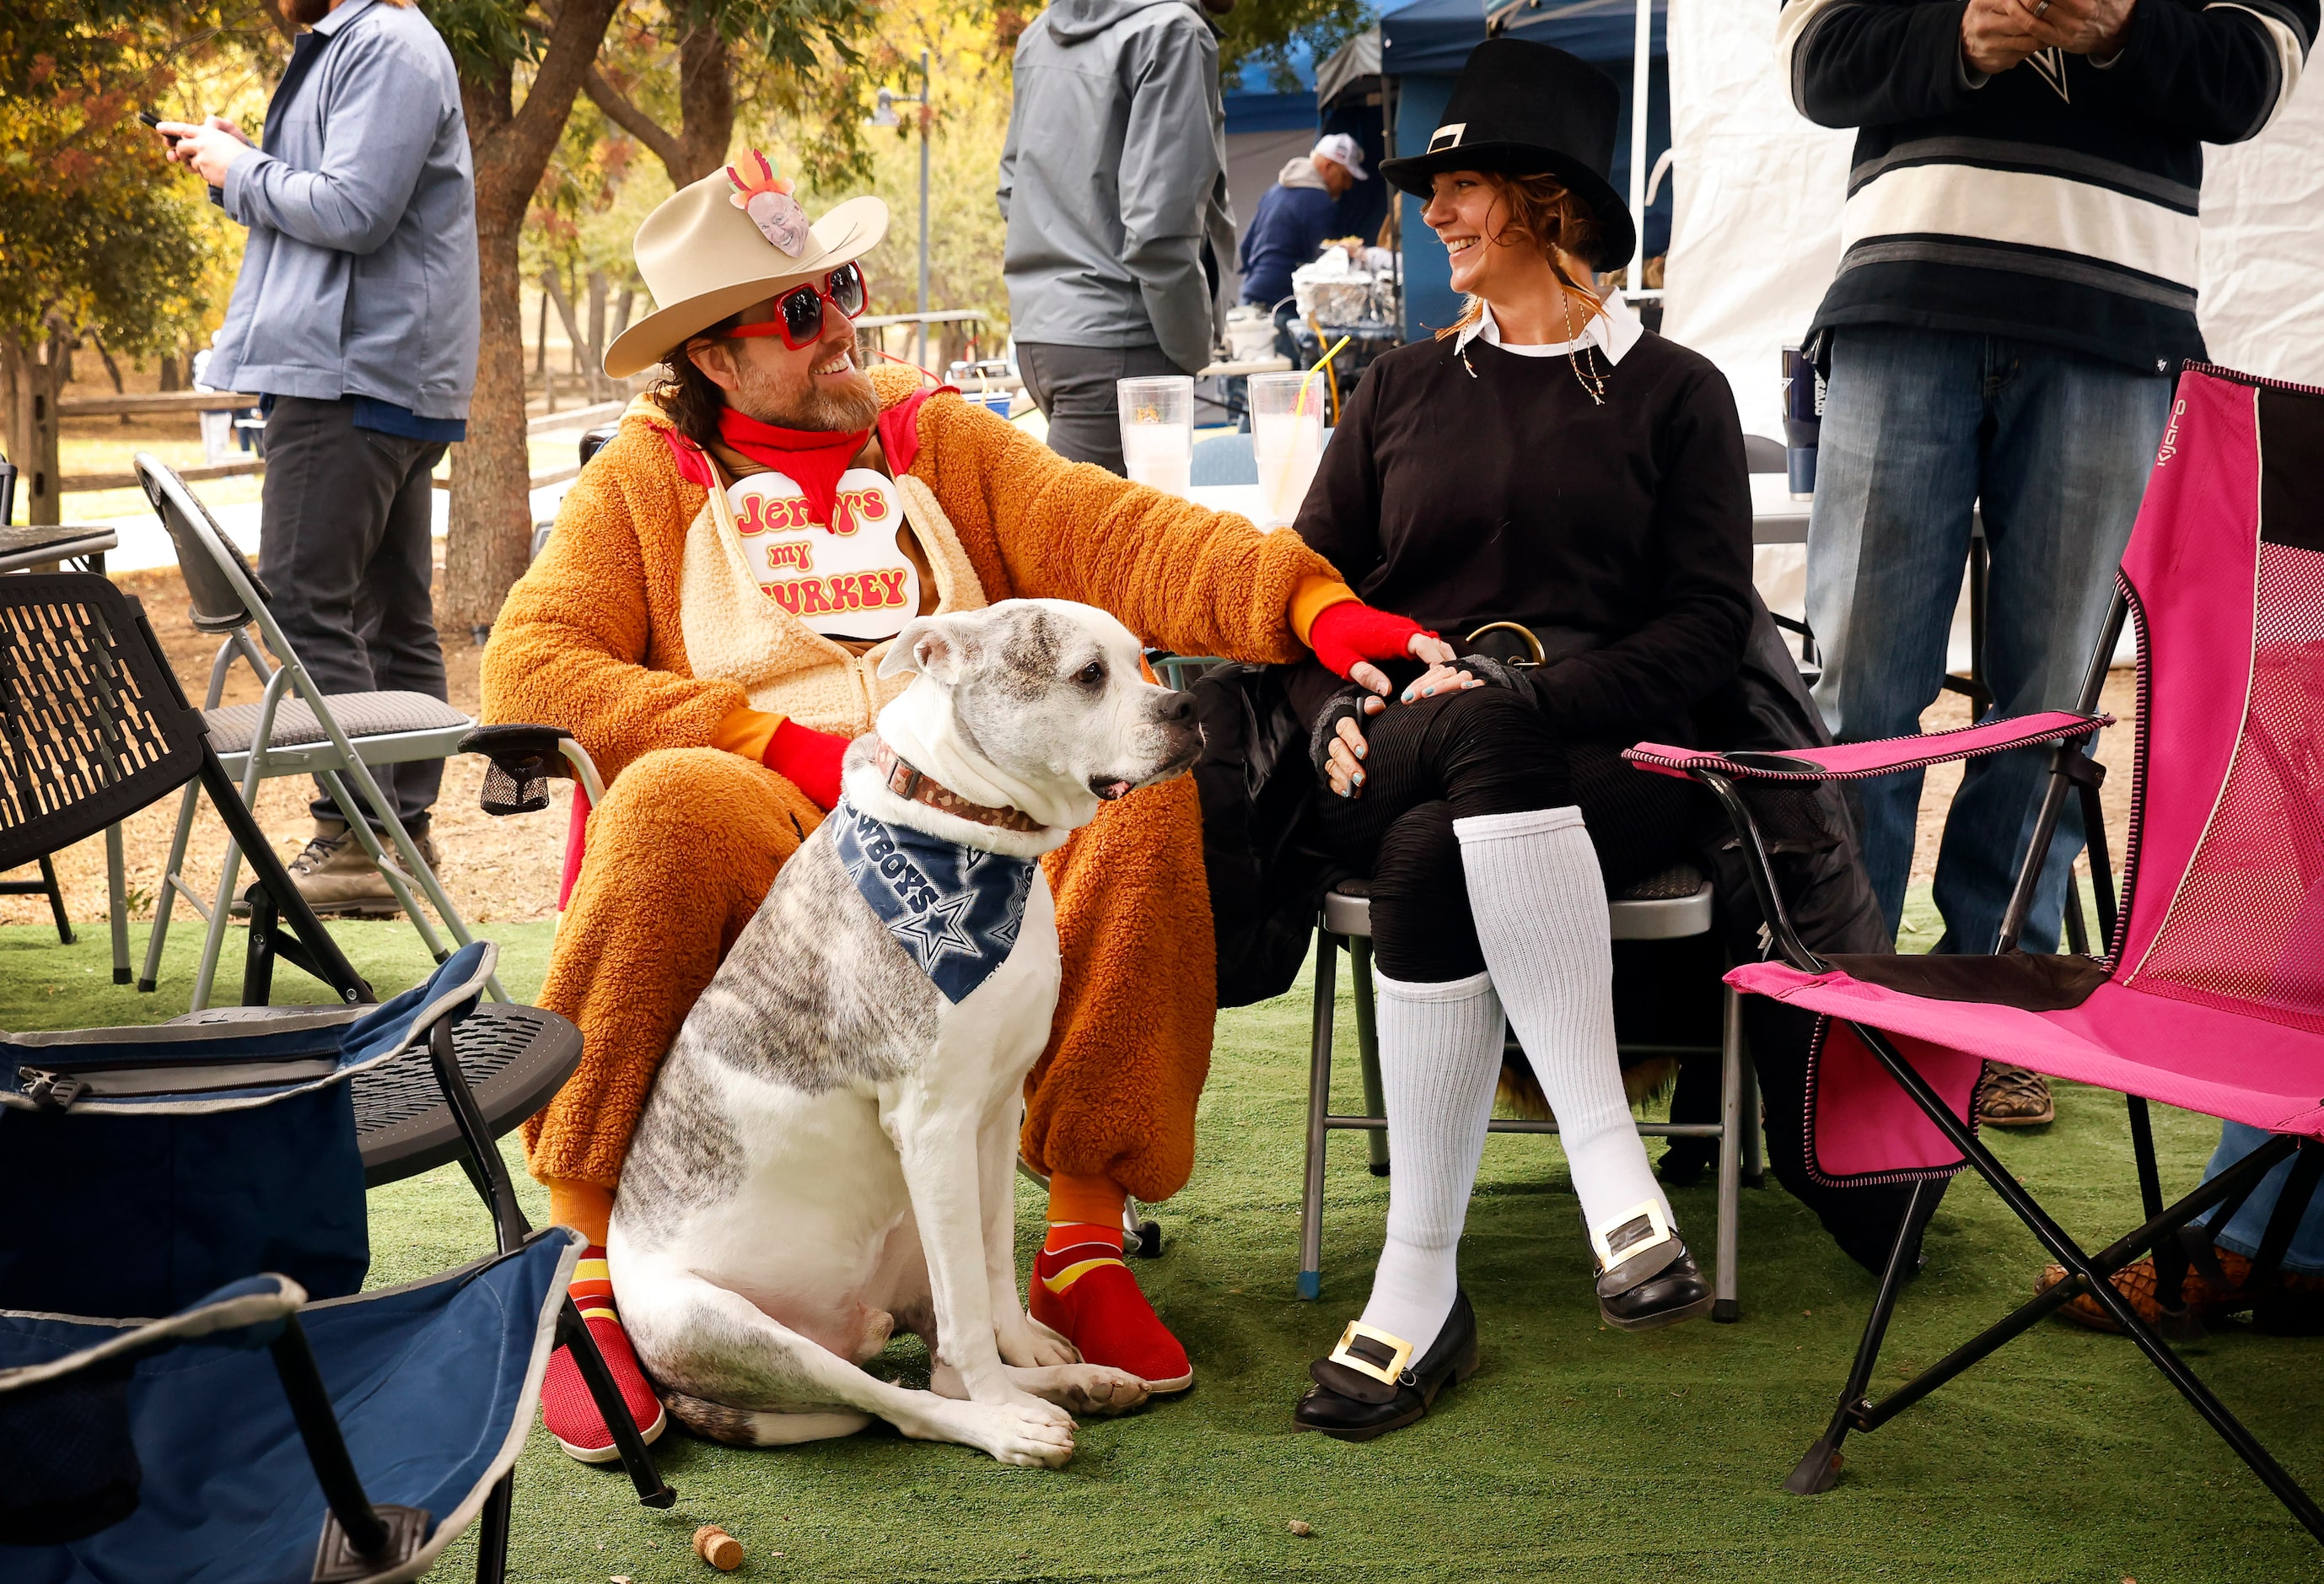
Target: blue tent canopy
(1423, 46)
(1435, 36)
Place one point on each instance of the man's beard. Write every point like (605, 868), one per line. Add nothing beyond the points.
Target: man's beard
(805, 401)
(308, 12)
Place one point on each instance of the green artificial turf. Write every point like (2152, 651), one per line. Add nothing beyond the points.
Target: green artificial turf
(1577, 1453)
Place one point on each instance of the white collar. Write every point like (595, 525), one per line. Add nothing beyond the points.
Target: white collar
(1613, 332)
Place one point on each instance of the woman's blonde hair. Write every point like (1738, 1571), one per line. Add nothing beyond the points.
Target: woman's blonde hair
(1543, 211)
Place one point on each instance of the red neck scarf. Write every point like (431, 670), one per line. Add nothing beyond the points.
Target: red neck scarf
(813, 459)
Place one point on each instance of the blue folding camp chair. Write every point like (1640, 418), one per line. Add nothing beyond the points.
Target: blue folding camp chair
(197, 1156)
(146, 1170)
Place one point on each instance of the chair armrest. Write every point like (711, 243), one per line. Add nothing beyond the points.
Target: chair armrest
(1857, 761)
(524, 757)
(245, 1314)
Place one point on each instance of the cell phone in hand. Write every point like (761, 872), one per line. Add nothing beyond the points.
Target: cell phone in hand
(150, 119)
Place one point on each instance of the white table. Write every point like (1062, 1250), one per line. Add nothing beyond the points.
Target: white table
(1777, 516)
(1244, 499)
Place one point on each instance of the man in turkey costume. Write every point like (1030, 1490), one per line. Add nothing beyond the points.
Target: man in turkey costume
(708, 620)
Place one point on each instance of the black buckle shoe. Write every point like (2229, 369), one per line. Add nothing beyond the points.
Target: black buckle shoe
(1371, 1384)
(1645, 1277)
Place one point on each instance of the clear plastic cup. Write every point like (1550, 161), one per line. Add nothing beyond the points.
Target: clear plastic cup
(1287, 434)
(1158, 431)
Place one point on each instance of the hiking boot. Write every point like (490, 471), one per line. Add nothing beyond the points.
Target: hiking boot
(339, 879)
(2012, 1096)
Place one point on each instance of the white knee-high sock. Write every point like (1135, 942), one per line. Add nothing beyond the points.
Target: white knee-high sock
(1539, 899)
(1440, 1050)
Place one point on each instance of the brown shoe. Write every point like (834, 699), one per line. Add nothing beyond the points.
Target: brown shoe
(2291, 1305)
(2204, 1298)
(339, 879)
(2012, 1096)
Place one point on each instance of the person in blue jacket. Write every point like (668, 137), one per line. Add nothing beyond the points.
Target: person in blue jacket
(1297, 217)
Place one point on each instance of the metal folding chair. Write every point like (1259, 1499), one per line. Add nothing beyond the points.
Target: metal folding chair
(2210, 995)
(1670, 906)
(294, 729)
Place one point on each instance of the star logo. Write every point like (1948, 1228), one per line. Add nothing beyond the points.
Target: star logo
(1012, 915)
(939, 930)
(2051, 64)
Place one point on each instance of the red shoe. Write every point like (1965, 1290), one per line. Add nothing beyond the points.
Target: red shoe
(1086, 1295)
(570, 1412)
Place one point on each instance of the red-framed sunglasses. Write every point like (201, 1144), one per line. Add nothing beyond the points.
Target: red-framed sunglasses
(799, 312)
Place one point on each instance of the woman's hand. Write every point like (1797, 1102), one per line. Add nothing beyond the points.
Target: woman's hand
(1343, 771)
(1421, 646)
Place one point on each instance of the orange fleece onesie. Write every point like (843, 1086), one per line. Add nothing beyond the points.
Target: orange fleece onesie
(690, 835)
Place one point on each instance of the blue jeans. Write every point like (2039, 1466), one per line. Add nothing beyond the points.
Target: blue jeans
(2306, 1255)
(1919, 428)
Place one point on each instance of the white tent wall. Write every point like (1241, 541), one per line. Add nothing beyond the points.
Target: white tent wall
(1755, 233)
(1755, 230)
(2263, 285)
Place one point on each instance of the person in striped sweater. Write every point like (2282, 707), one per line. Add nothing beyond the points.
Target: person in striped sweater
(2016, 288)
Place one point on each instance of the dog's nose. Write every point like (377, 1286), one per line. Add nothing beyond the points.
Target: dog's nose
(1178, 709)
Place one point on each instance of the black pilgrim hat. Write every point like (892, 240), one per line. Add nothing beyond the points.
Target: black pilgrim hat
(1528, 109)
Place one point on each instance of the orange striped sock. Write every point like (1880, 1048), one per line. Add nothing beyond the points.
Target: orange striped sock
(593, 1287)
(1085, 1216)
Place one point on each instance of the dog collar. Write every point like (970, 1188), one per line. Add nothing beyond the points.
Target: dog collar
(914, 785)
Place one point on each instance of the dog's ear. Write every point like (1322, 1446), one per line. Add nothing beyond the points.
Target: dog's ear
(934, 646)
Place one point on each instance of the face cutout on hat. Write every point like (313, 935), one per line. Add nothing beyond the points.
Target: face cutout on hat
(767, 198)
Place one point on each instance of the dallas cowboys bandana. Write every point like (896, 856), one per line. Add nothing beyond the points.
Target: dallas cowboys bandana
(956, 909)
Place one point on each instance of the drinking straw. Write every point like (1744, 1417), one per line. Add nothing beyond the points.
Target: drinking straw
(1300, 407)
(1272, 495)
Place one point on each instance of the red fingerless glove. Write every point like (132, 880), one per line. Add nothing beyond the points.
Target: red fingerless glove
(1352, 631)
(808, 758)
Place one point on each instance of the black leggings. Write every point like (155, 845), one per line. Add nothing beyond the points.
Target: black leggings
(1459, 756)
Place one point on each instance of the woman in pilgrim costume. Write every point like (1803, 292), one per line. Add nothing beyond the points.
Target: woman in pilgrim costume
(1547, 464)
(709, 619)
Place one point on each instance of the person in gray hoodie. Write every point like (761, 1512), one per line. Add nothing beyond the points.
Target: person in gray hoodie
(1113, 185)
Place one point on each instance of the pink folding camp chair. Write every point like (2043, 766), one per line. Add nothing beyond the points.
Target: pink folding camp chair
(2212, 994)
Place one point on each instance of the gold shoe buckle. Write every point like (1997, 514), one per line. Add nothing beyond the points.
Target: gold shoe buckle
(1656, 1222)
(1399, 1353)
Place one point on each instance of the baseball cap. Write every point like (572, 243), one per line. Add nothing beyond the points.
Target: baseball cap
(1342, 148)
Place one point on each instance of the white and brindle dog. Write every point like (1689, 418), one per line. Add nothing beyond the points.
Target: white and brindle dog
(828, 1153)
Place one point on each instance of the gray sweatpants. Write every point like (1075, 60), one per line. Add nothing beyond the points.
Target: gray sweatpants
(1074, 388)
(344, 550)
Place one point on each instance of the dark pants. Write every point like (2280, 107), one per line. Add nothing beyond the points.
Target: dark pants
(1074, 388)
(1459, 756)
(344, 550)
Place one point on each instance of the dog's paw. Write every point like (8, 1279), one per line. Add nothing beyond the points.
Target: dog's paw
(1038, 1437)
(1084, 1388)
(1030, 1345)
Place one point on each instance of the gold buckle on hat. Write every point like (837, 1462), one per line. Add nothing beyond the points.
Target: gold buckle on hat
(1658, 1223)
(1400, 1353)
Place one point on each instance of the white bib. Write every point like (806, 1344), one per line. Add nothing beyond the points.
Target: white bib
(857, 583)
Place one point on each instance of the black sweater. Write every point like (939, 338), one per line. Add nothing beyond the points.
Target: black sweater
(2054, 201)
(1509, 496)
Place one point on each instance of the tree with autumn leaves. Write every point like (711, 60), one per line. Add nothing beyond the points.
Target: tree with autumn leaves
(103, 244)
(102, 247)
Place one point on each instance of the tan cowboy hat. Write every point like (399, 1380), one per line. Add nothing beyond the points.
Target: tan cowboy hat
(703, 259)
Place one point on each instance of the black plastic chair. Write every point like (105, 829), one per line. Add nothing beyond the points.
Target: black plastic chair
(92, 728)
